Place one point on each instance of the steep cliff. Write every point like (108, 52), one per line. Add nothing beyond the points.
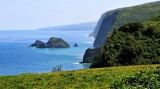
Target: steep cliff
(90, 54)
(95, 32)
(118, 17)
(103, 29)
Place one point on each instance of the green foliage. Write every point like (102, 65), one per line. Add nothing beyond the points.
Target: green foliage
(133, 43)
(131, 27)
(155, 18)
(136, 13)
(99, 78)
(145, 79)
(153, 26)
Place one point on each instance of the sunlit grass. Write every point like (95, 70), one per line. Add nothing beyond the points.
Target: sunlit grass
(87, 78)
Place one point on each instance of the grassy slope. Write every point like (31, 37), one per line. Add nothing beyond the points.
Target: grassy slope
(88, 78)
(149, 79)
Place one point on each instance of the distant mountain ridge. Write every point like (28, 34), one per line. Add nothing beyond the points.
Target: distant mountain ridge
(88, 26)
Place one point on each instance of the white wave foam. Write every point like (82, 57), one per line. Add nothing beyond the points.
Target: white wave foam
(76, 63)
(92, 38)
(87, 35)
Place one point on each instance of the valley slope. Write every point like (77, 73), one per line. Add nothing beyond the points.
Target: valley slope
(116, 18)
(99, 78)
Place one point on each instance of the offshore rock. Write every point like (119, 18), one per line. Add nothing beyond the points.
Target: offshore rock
(52, 43)
(39, 44)
(75, 45)
(57, 43)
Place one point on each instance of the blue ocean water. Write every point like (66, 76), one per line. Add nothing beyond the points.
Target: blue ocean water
(17, 58)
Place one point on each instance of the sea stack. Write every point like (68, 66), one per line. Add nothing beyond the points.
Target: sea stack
(52, 43)
(75, 45)
(57, 43)
(39, 44)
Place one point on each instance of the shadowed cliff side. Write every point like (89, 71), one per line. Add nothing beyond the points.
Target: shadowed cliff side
(95, 32)
(104, 29)
(90, 54)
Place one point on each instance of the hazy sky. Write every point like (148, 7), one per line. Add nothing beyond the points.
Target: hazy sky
(33, 14)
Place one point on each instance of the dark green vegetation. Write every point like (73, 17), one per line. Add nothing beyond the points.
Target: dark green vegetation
(100, 78)
(149, 79)
(52, 43)
(136, 13)
(134, 43)
(129, 14)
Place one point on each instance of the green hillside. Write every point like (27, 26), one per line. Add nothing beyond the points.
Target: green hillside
(82, 79)
(118, 17)
(133, 43)
(136, 13)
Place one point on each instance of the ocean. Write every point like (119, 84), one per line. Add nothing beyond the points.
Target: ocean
(16, 58)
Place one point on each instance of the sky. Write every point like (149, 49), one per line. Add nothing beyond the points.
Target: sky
(34, 14)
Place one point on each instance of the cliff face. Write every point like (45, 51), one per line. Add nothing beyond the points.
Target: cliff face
(104, 27)
(90, 54)
(95, 32)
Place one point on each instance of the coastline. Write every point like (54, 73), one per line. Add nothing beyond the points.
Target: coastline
(84, 63)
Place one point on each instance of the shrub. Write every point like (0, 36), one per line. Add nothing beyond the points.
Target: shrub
(152, 28)
(131, 27)
(144, 79)
(57, 68)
